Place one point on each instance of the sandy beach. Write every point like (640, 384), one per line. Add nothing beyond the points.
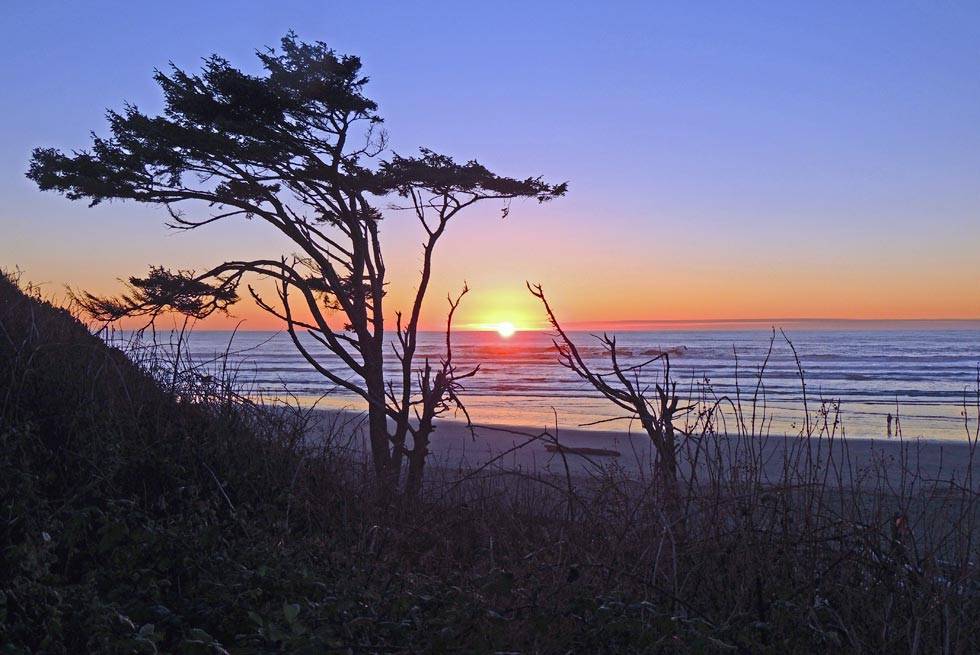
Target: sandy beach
(779, 459)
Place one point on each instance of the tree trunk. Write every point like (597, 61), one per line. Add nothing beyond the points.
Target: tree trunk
(378, 428)
(398, 451)
(667, 461)
(416, 460)
(378, 423)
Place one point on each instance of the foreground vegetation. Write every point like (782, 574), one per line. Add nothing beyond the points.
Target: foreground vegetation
(144, 510)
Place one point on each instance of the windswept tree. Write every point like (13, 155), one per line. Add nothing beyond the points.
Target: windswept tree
(298, 147)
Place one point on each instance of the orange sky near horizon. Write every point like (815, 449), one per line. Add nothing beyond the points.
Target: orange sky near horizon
(599, 281)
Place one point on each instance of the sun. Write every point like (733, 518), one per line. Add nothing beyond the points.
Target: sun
(506, 329)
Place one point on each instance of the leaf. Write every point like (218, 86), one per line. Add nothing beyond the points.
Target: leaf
(500, 583)
(291, 612)
(197, 634)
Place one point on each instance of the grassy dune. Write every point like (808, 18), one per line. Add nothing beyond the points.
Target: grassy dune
(154, 510)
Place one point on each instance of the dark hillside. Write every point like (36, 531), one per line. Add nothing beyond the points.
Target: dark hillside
(128, 513)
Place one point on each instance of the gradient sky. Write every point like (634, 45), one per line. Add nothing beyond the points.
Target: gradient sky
(726, 160)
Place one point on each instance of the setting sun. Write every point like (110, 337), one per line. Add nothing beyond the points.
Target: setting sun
(506, 329)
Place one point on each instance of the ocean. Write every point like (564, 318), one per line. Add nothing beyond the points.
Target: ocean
(921, 377)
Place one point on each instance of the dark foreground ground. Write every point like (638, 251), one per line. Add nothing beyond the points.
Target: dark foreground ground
(155, 511)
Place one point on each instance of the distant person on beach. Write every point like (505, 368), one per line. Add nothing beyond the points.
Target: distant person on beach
(889, 425)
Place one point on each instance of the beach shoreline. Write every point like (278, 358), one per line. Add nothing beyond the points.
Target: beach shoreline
(777, 458)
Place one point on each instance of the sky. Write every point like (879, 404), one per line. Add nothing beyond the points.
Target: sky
(725, 160)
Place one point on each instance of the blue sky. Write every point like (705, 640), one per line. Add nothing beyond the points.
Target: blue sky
(765, 159)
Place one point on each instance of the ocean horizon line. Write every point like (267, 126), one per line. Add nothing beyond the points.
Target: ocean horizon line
(653, 325)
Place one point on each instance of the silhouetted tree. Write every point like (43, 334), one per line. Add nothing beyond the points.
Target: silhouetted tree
(623, 386)
(292, 147)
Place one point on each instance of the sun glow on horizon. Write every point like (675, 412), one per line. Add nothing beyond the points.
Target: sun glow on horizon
(506, 329)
